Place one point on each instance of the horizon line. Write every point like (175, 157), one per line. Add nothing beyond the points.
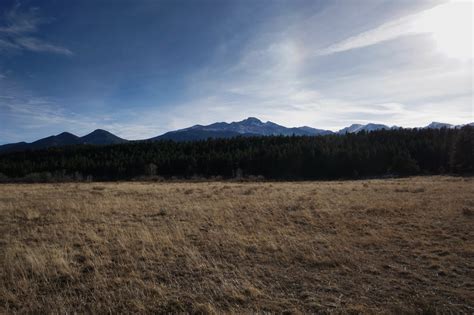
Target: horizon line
(250, 117)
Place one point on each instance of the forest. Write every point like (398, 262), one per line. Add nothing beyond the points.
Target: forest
(382, 153)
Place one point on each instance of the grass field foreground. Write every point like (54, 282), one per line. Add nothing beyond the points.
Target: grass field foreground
(371, 246)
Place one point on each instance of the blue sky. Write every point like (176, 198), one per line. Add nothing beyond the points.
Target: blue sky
(139, 68)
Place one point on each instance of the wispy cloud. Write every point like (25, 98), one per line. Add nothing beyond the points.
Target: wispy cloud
(457, 13)
(35, 44)
(280, 78)
(20, 29)
(281, 72)
(40, 116)
(382, 33)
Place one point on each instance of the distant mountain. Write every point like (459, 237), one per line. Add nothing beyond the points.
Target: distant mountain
(17, 146)
(97, 137)
(195, 135)
(62, 139)
(439, 125)
(355, 128)
(315, 131)
(101, 137)
(247, 127)
(351, 129)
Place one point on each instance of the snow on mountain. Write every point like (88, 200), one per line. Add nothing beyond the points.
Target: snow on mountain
(439, 125)
(355, 128)
(248, 127)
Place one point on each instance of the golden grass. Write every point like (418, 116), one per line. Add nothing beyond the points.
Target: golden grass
(375, 246)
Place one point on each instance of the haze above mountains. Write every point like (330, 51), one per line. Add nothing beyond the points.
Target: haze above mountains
(247, 128)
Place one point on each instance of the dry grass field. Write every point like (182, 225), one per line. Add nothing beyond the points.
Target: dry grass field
(375, 246)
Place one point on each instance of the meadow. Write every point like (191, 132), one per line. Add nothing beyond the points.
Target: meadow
(368, 246)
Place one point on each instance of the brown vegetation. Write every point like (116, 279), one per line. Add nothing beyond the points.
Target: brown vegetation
(376, 246)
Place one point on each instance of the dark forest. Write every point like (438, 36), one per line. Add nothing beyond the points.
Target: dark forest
(401, 152)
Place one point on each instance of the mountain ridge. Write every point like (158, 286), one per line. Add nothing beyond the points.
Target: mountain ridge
(96, 137)
(248, 127)
(101, 136)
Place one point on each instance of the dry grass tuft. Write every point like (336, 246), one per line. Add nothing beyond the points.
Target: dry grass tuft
(378, 246)
(468, 212)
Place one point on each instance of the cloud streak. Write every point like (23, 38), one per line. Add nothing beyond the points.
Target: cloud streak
(279, 72)
(280, 78)
(40, 116)
(458, 15)
(19, 31)
(35, 44)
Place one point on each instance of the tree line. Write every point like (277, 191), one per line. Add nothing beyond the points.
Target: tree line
(398, 152)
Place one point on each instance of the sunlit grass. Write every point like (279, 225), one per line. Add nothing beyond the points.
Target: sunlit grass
(372, 246)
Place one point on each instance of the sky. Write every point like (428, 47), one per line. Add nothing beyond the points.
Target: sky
(139, 68)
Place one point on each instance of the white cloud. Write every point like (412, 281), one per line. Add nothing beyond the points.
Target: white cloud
(271, 81)
(274, 79)
(449, 24)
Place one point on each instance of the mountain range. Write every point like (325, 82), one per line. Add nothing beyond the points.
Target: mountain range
(247, 128)
(97, 137)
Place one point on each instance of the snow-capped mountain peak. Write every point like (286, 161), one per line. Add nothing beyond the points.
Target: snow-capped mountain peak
(438, 125)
